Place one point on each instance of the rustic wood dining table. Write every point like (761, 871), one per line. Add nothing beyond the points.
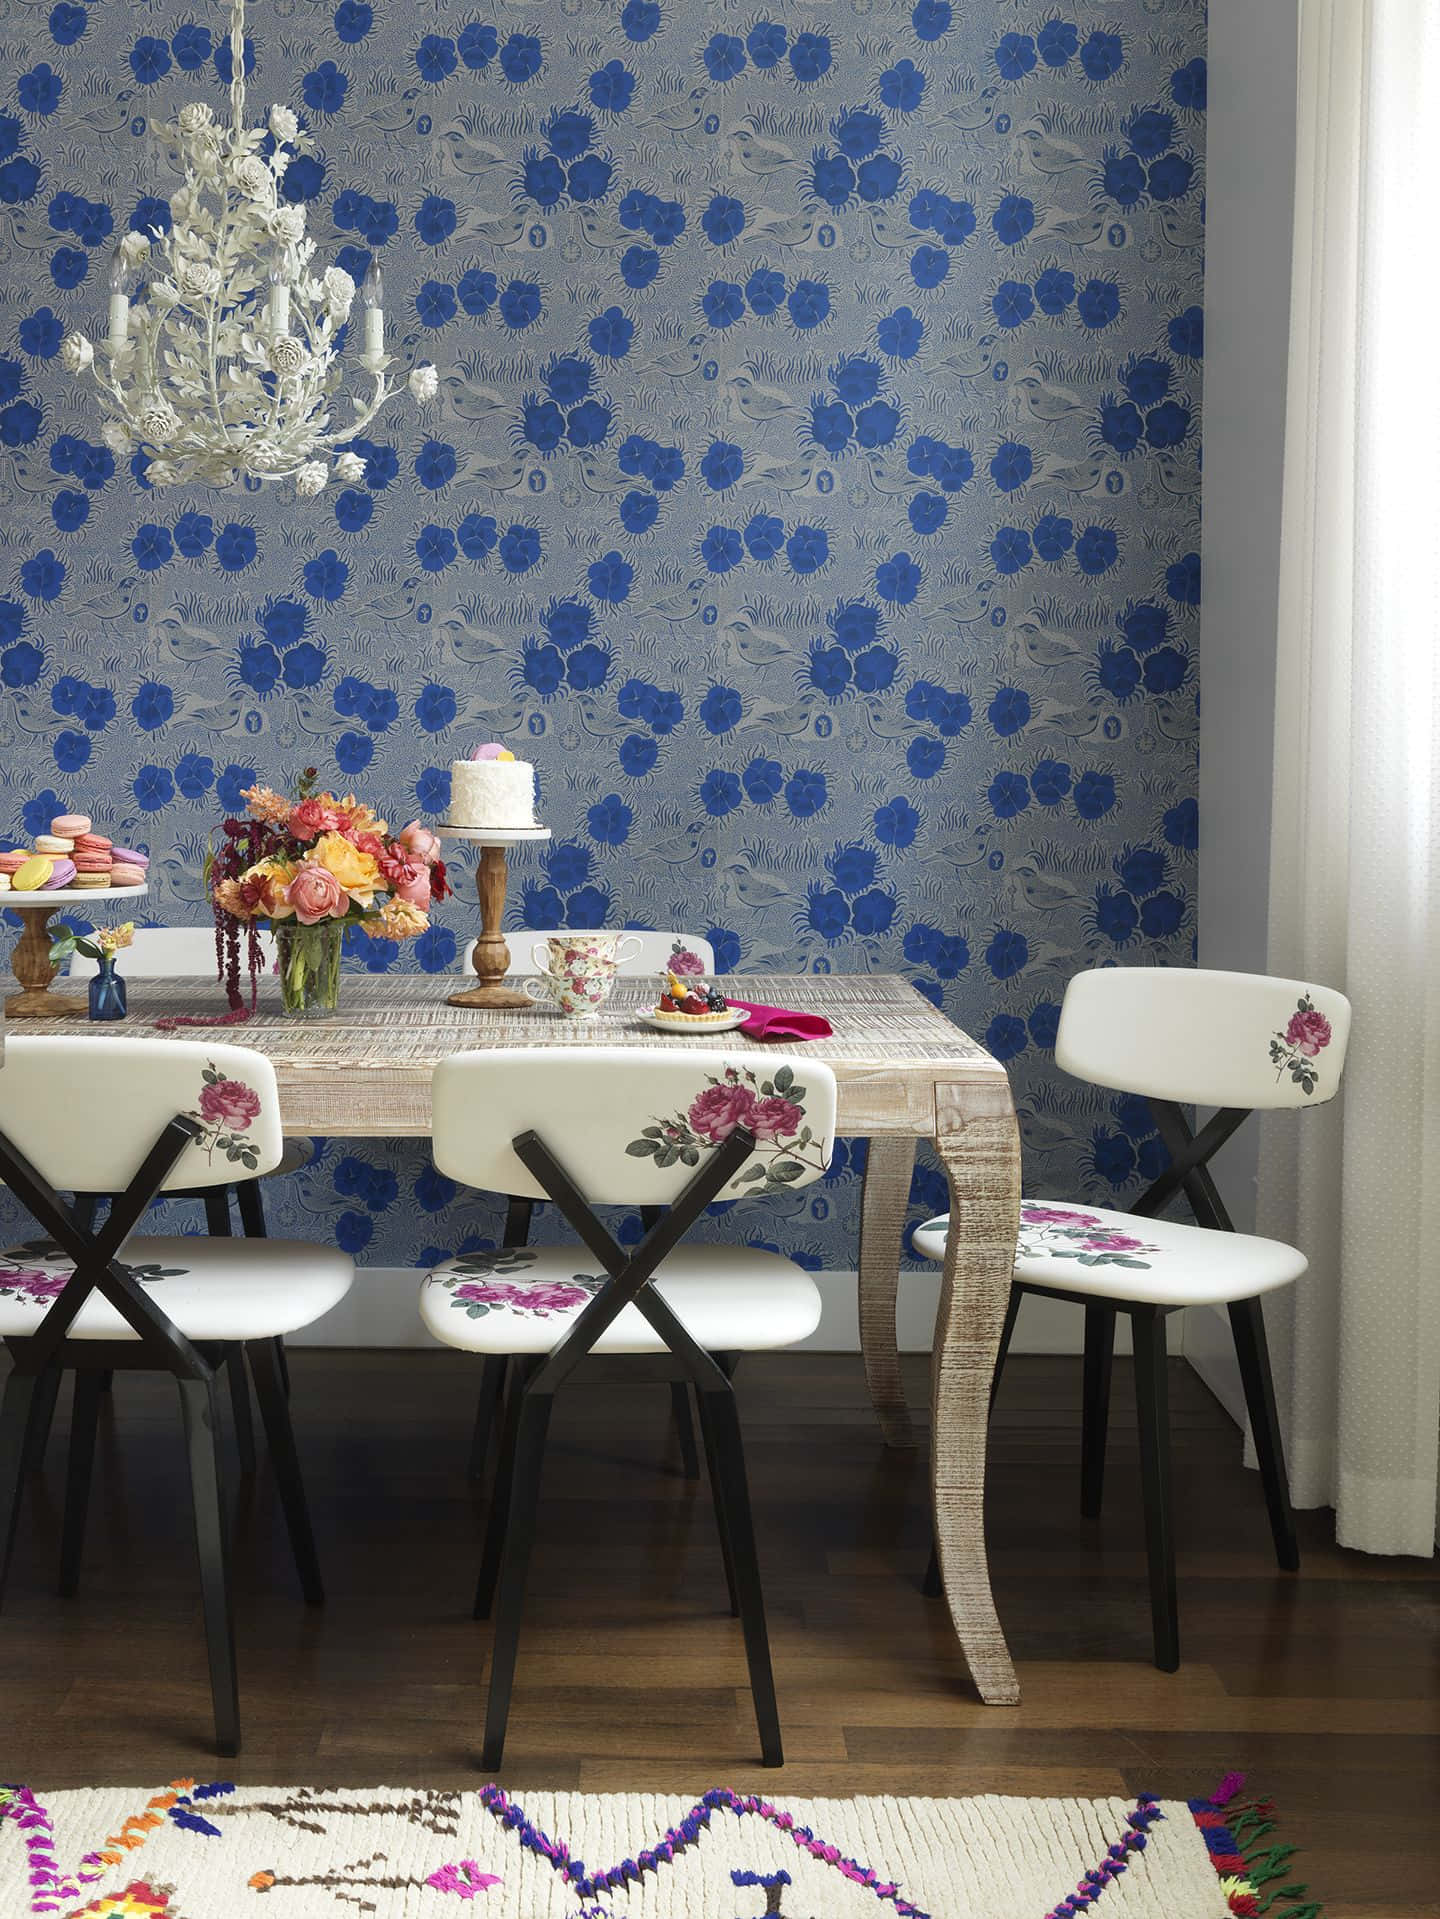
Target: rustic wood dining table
(905, 1073)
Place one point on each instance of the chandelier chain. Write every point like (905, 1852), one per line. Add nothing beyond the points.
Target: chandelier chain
(237, 65)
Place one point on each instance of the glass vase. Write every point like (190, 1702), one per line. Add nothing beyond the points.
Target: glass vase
(107, 993)
(309, 964)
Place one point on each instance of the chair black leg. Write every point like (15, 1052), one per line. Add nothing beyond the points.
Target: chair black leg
(280, 1435)
(16, 1408)
(684, 1428)
(240, 1408)
(42, 1418)
(492, 1385)
(84, 1413)
(717, 1495)
(531, 1427)
(200, 1405)
(1247, 1323)
(252, 1224)
(252, 1208)
(1099, 1362)
(217, 1224)
(724, 1422)
(518, 1215)
(1153, 1406)
(497, 1518)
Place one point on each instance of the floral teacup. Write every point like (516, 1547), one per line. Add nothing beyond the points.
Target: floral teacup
(577, 970)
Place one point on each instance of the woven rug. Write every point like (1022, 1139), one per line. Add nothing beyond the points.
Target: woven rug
(215, 1851)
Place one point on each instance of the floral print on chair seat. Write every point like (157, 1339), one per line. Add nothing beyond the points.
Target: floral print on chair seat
(1093, 1252)
(731, 1298)
(212, 1289)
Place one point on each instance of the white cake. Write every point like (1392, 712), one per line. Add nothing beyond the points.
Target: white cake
(493, 795)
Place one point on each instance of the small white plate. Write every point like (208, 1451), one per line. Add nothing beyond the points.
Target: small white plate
(737, 1016)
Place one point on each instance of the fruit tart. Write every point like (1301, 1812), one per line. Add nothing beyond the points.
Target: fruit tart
(688, 1002)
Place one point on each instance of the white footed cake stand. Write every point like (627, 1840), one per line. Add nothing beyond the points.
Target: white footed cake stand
(31, 960)
(491, 957)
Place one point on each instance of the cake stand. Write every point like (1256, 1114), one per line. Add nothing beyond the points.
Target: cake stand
(491, 957)
(31, 958)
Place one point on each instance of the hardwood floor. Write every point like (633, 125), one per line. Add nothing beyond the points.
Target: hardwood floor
(1325, 1688)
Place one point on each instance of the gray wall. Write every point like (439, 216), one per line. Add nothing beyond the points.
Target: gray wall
(1251, 174)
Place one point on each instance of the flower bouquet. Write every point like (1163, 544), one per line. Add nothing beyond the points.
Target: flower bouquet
(309, 867)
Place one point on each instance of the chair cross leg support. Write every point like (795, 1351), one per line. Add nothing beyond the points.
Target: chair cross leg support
(1190, 1154)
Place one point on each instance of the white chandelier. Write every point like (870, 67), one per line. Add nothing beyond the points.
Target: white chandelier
(221, 358)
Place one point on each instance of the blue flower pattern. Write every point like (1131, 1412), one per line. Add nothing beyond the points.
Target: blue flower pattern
(813, 494)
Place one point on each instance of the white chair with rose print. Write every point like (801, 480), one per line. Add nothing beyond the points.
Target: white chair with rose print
(653, 951)
(188, 952)
(624, 1126)
(139, 1119)
(1238, 1042)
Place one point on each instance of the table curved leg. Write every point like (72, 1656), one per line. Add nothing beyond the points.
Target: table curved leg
(882, 1222)
(981, 1156)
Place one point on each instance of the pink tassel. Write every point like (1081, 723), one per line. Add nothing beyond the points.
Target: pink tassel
(1227, 1789)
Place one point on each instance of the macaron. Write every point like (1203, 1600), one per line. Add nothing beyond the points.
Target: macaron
(91, 843)
(34, 874)
(91, 862)
(66, 826)
(12, 862)
(4, 882)
(61, 877)
(53, 845)
(83, 880)
(122, 874)
(127, 856)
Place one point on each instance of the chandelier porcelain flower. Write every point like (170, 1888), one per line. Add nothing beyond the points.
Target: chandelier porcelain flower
(222, 359)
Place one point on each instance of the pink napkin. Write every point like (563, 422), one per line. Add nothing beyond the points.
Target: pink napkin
(774, 1022)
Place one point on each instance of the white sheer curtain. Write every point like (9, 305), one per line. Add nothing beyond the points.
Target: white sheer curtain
(1355, 852)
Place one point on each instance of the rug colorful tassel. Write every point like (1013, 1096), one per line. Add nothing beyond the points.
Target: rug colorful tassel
(1235, 1832)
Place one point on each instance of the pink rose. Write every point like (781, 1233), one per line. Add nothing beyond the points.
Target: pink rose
(1111, 1242)
(1308, 1032)
(229, 1102)
(311, 818)
(316, 894)
(685, 964)
(1056, 1216)
(420, 841)
(543, 1297)
(776, 1118)
(407, 876)
(38, 1287)
(715, 1113)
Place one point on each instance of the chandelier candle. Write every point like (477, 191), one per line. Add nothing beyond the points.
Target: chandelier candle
(122, 280)
(372, 296)
(221, 362)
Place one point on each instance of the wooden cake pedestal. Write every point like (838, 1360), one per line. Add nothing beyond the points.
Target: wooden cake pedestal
(31, 958)
(491, 957)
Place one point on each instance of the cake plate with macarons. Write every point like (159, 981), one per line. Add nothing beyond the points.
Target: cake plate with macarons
(31, 960)
(70, 863)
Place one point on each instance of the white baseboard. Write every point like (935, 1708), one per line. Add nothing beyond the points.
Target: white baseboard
(380, 1311)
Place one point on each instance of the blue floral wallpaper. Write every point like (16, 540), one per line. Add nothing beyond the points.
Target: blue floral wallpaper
(813, 494)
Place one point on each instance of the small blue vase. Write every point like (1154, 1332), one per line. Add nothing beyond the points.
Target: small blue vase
(107, 993)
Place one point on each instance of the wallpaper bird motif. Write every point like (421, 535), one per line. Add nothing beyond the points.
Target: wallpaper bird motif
(813, 494)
